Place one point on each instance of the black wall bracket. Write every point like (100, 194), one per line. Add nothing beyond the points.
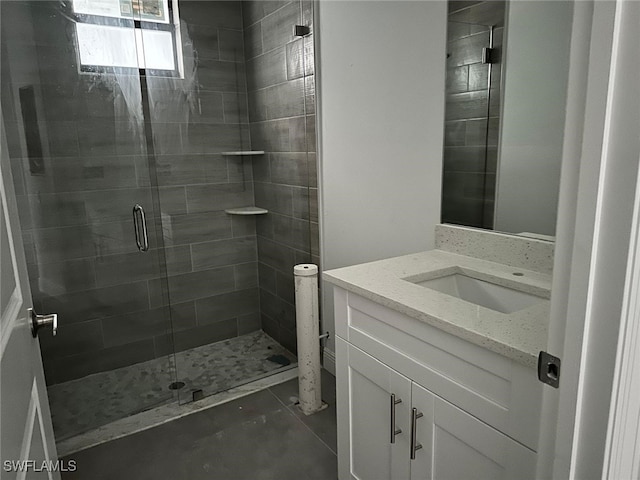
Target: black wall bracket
(301, 31)
(488, 55)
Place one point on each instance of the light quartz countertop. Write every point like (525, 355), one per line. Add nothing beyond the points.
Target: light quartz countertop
(519, 335)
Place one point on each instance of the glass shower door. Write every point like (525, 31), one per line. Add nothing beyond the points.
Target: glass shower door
(230, 151)
(73, 112)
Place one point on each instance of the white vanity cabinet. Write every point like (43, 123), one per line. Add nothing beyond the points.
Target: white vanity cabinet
(476, 412)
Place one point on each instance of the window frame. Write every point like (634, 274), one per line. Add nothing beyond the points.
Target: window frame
(172, 25)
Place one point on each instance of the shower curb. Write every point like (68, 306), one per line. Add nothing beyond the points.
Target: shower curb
(165, 413)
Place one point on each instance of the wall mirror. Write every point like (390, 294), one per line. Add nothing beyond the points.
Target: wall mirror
(507, 72)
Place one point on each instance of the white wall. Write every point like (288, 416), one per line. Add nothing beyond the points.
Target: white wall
(381, 78)
(534, 98)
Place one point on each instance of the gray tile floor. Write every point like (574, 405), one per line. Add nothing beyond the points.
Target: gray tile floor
(260, 436)
(90, 402)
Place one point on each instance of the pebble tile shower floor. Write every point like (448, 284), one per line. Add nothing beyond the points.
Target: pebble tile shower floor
(90, 402)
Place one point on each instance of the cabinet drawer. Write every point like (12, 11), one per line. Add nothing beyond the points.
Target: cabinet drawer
(493, 388)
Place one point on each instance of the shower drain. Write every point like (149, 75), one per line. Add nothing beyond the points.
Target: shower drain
(279, 359)
(176, 385)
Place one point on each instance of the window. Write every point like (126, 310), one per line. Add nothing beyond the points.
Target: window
(120, 35)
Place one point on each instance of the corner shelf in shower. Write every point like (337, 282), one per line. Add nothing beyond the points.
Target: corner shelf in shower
(245, 153)
(246, 211)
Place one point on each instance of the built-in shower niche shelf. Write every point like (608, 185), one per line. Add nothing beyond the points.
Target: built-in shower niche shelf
(246, 211)
(244, 153)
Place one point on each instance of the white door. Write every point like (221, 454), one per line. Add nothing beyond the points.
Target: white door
(27, 446)
(598, 189)
(365, 388)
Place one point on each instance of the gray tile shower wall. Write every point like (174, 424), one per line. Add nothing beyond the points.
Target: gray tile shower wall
(76, 209)
(280, 84)
(472, 114)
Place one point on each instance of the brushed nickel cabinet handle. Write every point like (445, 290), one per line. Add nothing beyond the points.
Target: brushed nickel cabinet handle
(394, 431)
(415, 446)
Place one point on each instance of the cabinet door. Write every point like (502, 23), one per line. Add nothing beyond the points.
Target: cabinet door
(458, 446)
(365, 387)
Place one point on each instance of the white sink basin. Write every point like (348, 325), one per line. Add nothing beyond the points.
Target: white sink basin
(479, 292)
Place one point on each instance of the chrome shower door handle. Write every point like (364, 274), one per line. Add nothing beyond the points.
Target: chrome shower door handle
(39, 321)
(140, 228)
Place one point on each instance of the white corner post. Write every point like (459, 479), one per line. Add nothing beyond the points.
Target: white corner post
(308, 331)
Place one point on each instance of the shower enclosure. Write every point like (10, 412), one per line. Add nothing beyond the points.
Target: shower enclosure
(472, 113)
(163, 155)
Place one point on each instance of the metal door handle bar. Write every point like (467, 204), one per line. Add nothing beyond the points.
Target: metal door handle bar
(140, 223)
(394, 431)
(39, 321)
(415, 446)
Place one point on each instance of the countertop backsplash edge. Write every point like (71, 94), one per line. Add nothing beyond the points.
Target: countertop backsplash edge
(513, 250)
